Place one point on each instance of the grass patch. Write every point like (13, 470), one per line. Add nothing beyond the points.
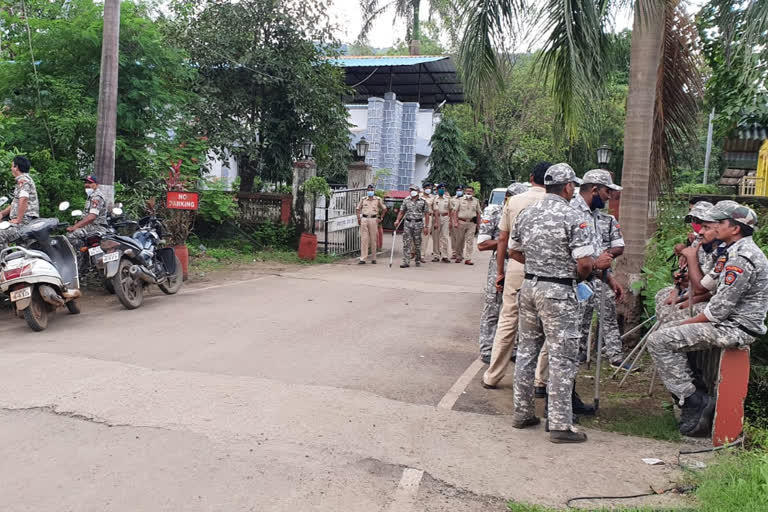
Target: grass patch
(737, 482)
(219, 258)
(513, 506)
(636, 421)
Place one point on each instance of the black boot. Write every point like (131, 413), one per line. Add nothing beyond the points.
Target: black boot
(579, 407)
(697, 412)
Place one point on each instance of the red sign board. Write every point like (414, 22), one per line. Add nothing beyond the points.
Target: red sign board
(182, 200)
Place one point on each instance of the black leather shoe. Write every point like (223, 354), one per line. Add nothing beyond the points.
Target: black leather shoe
(404, 265)
(520, 422)
(697, 412)
(580, 407)
(486, 359)
(373, 262)
(361, 262)
(490, 386)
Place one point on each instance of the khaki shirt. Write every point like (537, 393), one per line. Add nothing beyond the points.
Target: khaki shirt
(371, 206)
(442, 205)
(430, 199)
(468, 208)
(516, 204)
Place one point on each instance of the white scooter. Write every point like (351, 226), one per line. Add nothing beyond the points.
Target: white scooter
(41, 275)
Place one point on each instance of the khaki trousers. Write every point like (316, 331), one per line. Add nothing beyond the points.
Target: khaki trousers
(455, 248)
(442, 245)
(369, 235)
(505, 342)
(427, 246)
(468, 229)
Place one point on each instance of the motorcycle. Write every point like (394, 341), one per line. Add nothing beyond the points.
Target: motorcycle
(41, 273)
(132, 263)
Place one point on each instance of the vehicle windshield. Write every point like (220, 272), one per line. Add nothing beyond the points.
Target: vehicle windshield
(497, 197)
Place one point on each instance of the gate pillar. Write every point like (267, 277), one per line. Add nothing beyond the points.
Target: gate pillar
(359, 175)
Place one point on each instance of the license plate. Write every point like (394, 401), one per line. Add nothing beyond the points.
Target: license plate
(95, 251)
(24, 293)
(112, 256)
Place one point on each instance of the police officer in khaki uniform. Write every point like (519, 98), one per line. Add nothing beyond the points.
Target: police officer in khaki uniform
(370, 210)
(25, 206)
(427, 245)
(441, 207)
(456, 249)
(466, 219)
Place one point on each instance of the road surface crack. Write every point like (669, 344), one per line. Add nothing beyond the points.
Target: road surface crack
(49, 409)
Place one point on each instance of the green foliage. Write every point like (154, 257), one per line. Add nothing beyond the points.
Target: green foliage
(265, 84)
(477, 188)
(694, 189)
(737, 482)
(448, 162)
(316, 186)
(217, 204)
(273, 237)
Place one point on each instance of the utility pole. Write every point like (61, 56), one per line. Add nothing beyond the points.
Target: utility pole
(709, 145)
(106, 129)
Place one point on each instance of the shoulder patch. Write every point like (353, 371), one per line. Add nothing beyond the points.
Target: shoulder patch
(583, 225)
(720, 265)
(486, 221)
(734, 268)
(730, 277)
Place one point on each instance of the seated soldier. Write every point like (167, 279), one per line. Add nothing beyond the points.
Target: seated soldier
(25, 206)
(733, 318)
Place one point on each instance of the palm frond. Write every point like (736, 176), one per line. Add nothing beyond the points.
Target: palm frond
(679, 90)
(573, 58)
(481, 51)
(372, 10)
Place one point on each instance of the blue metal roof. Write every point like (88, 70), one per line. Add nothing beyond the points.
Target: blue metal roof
(375, 61)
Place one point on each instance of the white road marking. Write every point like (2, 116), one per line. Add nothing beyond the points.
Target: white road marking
(453, 394)
(407, 489)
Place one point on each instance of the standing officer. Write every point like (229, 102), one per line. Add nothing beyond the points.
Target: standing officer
(414, 210)
(427, 245)
(467, 218)
(372, 209)
(95, 220)
(554, 243)
(734, 317)
(487, 240)
(441, 207)
(25, 206)
(456, 248)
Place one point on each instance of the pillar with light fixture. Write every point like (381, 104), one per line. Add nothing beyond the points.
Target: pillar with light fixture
(359, 173)
(303, 169)
(604, 155)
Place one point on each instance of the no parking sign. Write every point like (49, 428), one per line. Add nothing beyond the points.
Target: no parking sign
(182, 200)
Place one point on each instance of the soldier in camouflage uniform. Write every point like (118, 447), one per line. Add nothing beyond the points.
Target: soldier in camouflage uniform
(486, 241)
(25, 206)
(734, 318)
(413, 209)
(553, 241)
(95, 220)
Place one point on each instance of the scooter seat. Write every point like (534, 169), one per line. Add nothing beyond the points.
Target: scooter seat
(32, 252)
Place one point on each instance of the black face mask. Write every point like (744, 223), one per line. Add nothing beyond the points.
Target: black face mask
(597, 202)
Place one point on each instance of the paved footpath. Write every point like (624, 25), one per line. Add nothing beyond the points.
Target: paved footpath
(335, 387)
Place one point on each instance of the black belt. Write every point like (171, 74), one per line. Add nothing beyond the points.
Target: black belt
(748, 331)
(414, 220)
(559, 280)
(371, 216)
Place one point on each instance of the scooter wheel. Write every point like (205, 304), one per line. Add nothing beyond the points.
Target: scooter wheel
(73, 307)
(36, 313)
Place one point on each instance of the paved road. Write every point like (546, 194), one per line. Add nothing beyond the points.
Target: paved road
(337, 387)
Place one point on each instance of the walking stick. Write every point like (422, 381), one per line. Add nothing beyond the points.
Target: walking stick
(394, 238)
(600, 339)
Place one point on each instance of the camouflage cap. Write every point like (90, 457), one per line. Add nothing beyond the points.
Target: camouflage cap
(414, 187)
(559, 174)
(702, 211)
(600, 177)
(736, 212)
(517, 188)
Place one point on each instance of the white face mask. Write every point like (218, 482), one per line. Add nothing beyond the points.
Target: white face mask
(88, 192)
(414, 193)
(468, 195)
(427, 191)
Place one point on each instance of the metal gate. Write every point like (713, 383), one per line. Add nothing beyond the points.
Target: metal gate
(337, 216)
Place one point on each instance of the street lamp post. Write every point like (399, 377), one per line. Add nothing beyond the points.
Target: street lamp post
(604, 154)
(307, 148)
(362, 149)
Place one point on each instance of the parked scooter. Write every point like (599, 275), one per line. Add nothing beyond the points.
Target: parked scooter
(134, 262)
(40, 273)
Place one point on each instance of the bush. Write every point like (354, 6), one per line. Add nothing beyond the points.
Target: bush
(696, 189)
(217, 204)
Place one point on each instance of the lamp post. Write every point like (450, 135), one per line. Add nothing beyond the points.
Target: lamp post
(307, 148)
(604, 154)
(362, 149)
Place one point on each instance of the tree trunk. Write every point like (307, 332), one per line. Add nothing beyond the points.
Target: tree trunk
(415, 46)
(645, 59)
(106, 129)
(246, 172)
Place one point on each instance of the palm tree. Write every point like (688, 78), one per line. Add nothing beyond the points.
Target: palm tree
(664, 85)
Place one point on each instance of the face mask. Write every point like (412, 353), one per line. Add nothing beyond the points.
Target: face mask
(427, 191)
(370, 193)
(414, 193)
(696, 227)
(440, 192)
(469, 195)
(88, 192)
(459, 193)
(597, 202)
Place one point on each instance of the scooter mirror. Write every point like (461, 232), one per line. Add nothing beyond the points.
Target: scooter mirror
(63, 206)
(117, 211)
(77, 213)
(3, 200)
(5, 224)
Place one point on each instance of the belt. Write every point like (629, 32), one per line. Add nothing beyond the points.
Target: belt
(466, 220)
(748, 331)
(371, 216)
(414, 220)
(559, 280)
(444, 214)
